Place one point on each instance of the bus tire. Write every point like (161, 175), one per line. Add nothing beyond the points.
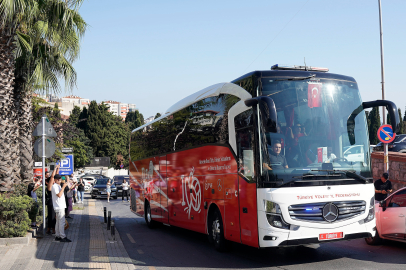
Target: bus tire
(148, 217)
(216, 231)
(373, 241)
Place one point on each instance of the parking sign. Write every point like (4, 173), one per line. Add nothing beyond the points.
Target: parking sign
(66, 165)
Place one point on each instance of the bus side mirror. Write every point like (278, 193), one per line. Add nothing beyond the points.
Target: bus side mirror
(268, 109)
(390, 106)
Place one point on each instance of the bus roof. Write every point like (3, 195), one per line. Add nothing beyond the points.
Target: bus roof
(211, 91)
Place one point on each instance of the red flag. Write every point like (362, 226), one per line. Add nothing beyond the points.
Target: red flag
(314, 95)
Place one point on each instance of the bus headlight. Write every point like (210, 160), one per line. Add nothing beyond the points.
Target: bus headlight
(277, 221)
(371, 212)
(274, 215)
(271, 207)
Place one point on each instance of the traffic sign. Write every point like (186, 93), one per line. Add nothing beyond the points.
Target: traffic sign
(49, 130)
(66, 167)
(49, 147)
(385, 134)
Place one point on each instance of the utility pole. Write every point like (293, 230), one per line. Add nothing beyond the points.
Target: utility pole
(385, 145)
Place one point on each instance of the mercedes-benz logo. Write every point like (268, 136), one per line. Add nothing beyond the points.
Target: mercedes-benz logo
(330, 212)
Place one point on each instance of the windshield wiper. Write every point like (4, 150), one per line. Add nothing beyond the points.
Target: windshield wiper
(297, 78)
(351, 174)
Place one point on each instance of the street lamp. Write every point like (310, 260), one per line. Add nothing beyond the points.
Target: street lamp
(385, 145)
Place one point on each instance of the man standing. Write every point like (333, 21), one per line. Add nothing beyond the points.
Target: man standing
(59, 203)
(278, 161)
(382, 187)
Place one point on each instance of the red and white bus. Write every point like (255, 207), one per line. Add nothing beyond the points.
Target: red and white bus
(260, 161)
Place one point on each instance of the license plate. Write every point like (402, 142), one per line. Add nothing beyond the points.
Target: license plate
(103, 192)
(330, 236)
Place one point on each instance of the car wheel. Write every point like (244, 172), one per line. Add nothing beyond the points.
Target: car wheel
(148, 217)
(373, 241)
(216, 231)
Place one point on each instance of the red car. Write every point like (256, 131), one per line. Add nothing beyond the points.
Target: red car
(390, 218)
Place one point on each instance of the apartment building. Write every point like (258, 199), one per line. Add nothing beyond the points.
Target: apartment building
(120, 109)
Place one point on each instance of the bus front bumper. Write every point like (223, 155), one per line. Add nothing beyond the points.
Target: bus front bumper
(274, 237)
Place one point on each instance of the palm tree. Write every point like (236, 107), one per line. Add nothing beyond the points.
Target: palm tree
(46, 42)
(45, 52)
(10, 12)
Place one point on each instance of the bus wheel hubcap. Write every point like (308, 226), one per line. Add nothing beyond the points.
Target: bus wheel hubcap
(216, 229)
(149, 214)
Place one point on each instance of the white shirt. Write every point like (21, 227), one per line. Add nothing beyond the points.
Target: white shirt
(58, 202)
(125, 186)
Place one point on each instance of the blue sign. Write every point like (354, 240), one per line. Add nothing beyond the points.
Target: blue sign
(385, 134)
(66, 165)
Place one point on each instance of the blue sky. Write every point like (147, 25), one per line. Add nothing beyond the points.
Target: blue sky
(153, 53)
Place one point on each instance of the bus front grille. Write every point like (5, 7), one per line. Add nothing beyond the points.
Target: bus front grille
(313, 212)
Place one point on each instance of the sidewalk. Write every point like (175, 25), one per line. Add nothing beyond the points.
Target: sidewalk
(92, 246)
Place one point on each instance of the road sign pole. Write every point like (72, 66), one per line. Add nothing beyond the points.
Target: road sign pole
(43, 176)
(385, 145)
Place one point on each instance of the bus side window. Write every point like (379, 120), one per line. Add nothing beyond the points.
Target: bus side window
(245, 141)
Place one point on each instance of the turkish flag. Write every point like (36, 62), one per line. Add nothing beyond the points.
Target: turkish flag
(314, 95)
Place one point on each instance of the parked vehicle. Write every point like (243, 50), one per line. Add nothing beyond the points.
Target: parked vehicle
(91, 178)
(390, 218)
(354, 153)
(118, 181)
(99, 189)
(398, 144)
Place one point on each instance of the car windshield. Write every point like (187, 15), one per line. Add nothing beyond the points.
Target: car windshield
(119, 179)
(398, 139)
(312, 136)
(102, 181)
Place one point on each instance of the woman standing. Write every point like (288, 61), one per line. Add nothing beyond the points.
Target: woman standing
(81, 190)
(108, 190)
(125, 189)
(31, 193)
(69, 196)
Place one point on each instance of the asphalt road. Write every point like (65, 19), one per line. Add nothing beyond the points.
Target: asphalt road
(174, 248)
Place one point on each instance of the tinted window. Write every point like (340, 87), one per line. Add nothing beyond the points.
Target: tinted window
(245, 144)
(102, 181)
(119, 179)
(398, 199)
(399, 138)
(205, 122)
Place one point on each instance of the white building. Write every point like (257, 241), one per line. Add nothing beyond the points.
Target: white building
(76, 100)
(119, 109)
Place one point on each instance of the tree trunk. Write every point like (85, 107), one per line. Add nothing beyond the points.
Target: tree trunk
(25, 122)
(9, 147)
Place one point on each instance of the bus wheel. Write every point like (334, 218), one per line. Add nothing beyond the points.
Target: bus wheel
(216, 231)
(148, 216)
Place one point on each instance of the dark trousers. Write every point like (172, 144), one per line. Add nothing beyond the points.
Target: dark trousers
(126, 194)
(51, 216)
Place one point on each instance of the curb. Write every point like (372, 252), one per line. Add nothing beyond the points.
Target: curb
(25, 240)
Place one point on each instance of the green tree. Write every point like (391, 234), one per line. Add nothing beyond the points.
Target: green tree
(39, 41)
(108, 135)
(74, 116)
(401, 129)
(375, 123)
(134, 120)
(157, 115)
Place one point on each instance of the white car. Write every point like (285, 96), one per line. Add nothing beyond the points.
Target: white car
(390, 218)
(354, 153)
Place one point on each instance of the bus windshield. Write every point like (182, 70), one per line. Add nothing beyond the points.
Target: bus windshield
(312, 140)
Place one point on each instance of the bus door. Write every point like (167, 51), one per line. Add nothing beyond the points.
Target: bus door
(247, 195)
